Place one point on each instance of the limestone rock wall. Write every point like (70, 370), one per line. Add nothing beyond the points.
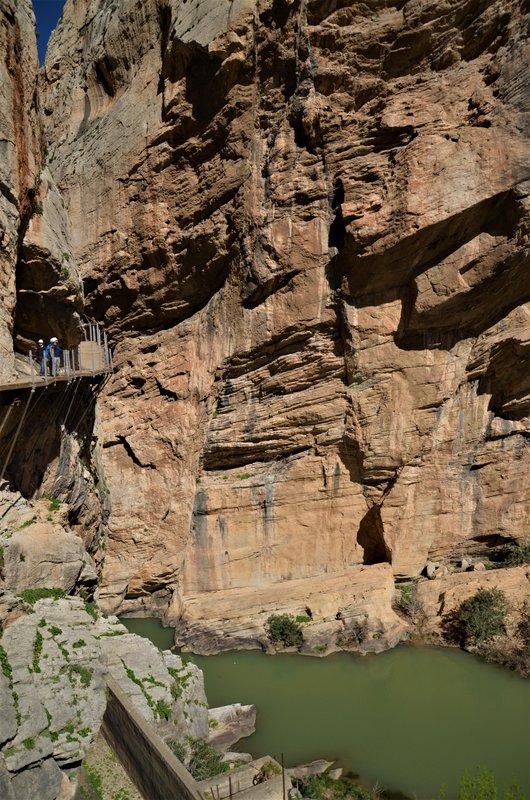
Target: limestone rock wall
(305, 226)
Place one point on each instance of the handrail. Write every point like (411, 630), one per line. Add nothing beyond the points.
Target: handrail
(93, 356)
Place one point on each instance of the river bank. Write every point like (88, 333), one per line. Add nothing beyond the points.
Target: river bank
(413, 719)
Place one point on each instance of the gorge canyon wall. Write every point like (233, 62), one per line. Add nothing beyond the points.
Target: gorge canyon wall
(305, 227)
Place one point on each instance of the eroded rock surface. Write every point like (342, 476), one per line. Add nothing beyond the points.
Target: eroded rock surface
(55, 655)
(306, 227)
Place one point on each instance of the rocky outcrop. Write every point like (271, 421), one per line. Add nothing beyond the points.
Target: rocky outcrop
(228, 724)
(55, 655)
(49, 289)
(305, 226)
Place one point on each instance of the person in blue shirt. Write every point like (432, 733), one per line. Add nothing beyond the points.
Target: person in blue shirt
(53, 352)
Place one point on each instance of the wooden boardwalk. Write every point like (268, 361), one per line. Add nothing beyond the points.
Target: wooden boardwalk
(40, 382)
(89, 359)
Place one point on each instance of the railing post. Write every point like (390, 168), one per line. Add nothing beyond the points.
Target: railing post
(106, 350)
(31, 368)
(45, 370)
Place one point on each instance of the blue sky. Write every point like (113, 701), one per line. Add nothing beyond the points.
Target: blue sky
(47, 13)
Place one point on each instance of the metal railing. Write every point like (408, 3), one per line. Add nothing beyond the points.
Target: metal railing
(71, 364)
(93, 356)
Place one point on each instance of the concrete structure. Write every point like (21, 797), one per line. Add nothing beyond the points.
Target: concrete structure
(150, 763)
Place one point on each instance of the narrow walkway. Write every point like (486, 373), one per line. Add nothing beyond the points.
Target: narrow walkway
(91, 357)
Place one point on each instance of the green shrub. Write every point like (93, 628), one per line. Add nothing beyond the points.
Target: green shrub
(205, 762)
(178, 748)
(162, 710)
(37, 650)
(91, 608)
(482, 786)
(84, 673)
(28, 522)
(5, 666)
(38, 208)
(515, 555)
(55, 504)
(30, 596)
(482, 616)
(243, 476)
(283, 628)
(29, 744)
(302, 618)
(409, 603)
(322, 787)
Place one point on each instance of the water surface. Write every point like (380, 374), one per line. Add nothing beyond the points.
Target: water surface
(412, 719)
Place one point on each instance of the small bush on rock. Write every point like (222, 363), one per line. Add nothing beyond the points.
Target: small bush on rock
(409, 603)
(483, 786)
(205, 761)
(515, 555)
(284, 629)
(480, 618)
(353, 634)
(323, 787)
(30, 596)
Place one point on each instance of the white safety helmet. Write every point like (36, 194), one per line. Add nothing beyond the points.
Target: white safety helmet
(54, 339)
(41, 341)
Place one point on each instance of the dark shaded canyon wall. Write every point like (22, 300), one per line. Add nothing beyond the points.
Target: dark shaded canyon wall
(305, 225)
(19, 154)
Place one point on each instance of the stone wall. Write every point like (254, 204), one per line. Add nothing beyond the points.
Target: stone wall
(148, 760)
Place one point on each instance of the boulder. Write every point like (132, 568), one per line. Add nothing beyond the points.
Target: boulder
(229, 724)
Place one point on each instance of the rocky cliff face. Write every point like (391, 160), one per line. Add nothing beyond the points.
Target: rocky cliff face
(305, 225)
(19, 153)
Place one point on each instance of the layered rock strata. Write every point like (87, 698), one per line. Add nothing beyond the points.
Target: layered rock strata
(306, 227)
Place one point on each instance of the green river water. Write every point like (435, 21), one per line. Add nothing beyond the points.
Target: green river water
(413, 719)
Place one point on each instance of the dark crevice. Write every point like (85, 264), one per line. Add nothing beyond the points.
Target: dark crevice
(221, 460)
(254, 294)
(120, 439)
(371, 537)
(104, 74)
(165, 392)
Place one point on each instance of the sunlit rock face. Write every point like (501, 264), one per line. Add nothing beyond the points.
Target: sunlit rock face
(305, 226)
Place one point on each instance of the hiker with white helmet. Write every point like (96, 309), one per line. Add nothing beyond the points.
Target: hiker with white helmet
(53, 351)
(40, 356)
